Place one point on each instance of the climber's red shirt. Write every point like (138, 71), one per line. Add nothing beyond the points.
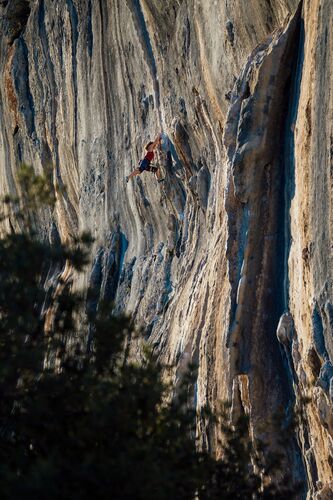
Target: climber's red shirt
(149, 156)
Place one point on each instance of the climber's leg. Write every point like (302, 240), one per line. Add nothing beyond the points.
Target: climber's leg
(135, 172)
(158, 175)
(143, 165)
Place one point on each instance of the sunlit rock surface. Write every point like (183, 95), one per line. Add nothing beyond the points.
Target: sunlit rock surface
(229, 262)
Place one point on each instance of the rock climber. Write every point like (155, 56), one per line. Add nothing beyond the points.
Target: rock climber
(145, 164)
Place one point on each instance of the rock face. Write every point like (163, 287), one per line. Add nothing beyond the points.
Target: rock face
(229, 262)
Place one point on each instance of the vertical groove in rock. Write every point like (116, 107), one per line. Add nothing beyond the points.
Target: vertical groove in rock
(254, 138)
(289, 154)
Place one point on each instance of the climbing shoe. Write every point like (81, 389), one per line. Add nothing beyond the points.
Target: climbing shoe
(127, 178)
(161, 180)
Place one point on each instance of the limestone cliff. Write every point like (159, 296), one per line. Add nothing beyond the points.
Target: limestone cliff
(229, 263)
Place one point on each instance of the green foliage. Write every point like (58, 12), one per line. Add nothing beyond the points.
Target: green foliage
(36, 195)
(249, 469)
(84, 425)
(78, 424)
(37, 190)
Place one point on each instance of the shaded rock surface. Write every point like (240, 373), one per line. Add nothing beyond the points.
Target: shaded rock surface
(229, 262)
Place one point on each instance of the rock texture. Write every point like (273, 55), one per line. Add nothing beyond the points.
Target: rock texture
(229, 263)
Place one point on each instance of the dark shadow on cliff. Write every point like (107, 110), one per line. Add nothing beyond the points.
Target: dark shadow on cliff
(15, 18)
(84, 424)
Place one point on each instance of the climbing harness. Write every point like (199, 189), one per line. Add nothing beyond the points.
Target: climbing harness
(153, 167)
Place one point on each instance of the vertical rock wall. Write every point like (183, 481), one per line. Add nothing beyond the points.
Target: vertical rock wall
(310, 257)
(228, 263)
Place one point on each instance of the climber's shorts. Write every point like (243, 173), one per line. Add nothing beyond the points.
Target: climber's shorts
(145, 165)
